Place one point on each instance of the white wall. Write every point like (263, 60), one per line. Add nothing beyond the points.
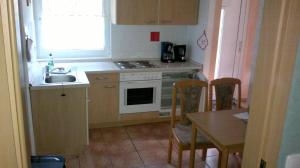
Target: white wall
(205, 22)
(194, 33)
(134, 41)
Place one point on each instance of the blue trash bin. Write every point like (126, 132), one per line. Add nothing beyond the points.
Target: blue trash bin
(48, 161)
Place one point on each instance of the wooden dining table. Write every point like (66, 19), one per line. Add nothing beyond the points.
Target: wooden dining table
(221, 128)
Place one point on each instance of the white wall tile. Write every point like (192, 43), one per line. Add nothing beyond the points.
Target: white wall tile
(134, 41)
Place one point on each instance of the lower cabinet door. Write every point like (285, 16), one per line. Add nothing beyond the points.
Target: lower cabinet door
(59, 120)
(103, 103)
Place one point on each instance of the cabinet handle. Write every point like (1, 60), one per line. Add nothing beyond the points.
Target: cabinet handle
(109, 87)
(101, 78)
(63, 95)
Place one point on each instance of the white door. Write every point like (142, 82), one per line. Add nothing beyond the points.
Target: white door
(230, 40)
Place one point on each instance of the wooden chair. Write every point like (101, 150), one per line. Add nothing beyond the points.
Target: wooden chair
(190, 92)
(224, 89)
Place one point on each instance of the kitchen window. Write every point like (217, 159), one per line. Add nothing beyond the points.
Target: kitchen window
(72, 28)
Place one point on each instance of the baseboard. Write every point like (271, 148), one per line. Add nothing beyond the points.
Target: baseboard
(134, 119)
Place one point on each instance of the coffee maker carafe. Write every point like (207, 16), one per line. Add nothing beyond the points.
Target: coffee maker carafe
(167, 52)
(179, 53)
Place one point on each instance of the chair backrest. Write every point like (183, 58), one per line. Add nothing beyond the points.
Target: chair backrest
(224, 89)
(189, 92)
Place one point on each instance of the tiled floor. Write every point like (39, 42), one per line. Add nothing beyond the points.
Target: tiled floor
(140, 146)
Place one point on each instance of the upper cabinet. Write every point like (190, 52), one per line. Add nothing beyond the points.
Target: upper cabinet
(135, 12)
(178, 12)
(153, 12)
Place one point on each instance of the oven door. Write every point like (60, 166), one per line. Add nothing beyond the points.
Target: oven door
(140, 96)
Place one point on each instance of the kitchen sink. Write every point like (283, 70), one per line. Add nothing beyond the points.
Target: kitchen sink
(60, 78)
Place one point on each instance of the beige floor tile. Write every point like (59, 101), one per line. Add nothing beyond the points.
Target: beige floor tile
(154, 156)
(95, 135)
(116, 134)
(127, 160)
(145, 144)
(85, 162)
(140, 146)
(141, 133)
(98, 147)
(233, 161)
(72, 162)
(125, 146)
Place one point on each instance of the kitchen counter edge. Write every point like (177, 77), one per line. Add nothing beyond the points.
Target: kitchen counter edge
(108, 67)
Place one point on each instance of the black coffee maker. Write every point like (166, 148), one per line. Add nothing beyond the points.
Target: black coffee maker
(179, 53)
(167, 52)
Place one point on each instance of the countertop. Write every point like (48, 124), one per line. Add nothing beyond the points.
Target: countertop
(109, 66)
(80, 69)
(81, 81)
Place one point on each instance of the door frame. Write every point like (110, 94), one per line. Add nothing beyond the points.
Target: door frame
(241, 41)
(214, 39)
(238, 37)
(272, 82)
(12, 98)
(247, 41)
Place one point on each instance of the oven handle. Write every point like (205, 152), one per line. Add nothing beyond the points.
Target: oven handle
(145, 81)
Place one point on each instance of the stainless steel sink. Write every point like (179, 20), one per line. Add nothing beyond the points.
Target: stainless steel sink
(60, 78)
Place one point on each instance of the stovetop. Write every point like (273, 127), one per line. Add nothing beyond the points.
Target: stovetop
(135, 64)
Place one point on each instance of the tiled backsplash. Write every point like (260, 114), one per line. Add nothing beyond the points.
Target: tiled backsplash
(134, 41)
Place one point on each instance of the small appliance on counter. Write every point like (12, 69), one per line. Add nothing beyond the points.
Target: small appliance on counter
(167, 52)
(179, 53)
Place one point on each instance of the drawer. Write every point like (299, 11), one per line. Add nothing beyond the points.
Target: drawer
(103, 77)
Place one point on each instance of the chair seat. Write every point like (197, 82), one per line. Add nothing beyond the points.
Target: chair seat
(184, 134)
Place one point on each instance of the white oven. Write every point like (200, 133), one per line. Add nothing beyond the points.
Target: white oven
(140, 92)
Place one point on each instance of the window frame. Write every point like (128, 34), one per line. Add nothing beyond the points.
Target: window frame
(72, 54)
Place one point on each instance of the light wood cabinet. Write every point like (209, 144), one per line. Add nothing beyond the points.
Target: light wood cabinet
(60, 120)
(129, 12)
(178, 12)
(163, 12)
(103, 99)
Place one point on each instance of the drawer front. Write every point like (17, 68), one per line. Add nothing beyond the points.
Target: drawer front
(105, 77)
